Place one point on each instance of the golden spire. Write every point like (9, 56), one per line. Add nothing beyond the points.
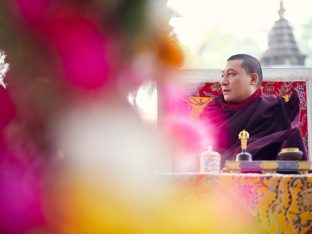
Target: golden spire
(243, 136)
(282, 10)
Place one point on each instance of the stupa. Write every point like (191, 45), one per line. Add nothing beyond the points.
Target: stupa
(283, 50)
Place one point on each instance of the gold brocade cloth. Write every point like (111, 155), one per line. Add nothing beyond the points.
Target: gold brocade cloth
(279, 203)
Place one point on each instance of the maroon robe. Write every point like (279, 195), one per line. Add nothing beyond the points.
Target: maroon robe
(271, 122)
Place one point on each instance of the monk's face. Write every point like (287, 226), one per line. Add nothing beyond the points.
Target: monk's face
(236, 82)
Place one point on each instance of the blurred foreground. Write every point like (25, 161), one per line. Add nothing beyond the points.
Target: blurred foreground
(75, 155)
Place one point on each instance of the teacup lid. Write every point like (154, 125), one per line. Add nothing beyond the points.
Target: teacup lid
(210, 152)
(290, 150)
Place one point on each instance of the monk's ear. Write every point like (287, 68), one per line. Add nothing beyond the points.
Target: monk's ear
(254, 78)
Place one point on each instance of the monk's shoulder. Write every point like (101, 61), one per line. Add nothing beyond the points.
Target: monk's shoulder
(270, 99)
(289, 102)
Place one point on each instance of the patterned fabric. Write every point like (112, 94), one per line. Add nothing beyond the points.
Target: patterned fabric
(279, 203)
(200, 94)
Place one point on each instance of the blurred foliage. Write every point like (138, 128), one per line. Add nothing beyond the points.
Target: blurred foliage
(216, 46)
(305, 42)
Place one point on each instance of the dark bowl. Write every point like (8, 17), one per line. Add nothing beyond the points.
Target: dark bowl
(290, 154)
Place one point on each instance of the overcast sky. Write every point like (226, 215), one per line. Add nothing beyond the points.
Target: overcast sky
(247, 18)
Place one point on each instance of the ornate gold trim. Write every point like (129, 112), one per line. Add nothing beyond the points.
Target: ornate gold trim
(304, 165)
(269, 165)
(232, 165)
(289, 150)
(286, 98)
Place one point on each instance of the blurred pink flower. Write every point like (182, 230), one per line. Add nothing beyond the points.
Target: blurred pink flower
(33, 12)
(7, 111)
(81, 47)
(74, 36)
(188, 135)
(20, 197)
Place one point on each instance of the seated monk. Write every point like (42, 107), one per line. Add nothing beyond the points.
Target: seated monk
(271, 121)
